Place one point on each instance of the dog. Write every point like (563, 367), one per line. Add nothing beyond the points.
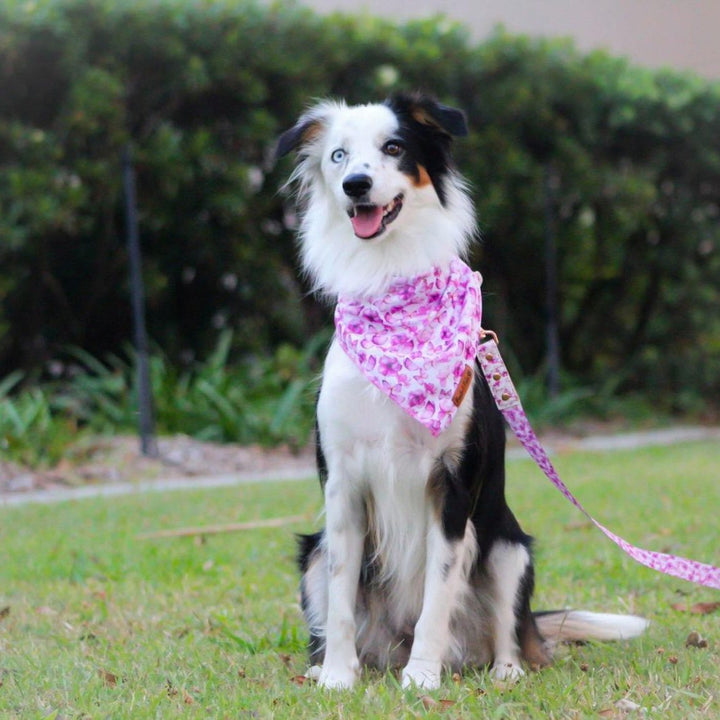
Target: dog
(421, 565)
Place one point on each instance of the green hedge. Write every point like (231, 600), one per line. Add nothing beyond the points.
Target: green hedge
(626, 160)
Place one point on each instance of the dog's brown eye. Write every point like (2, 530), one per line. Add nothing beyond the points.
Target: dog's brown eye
(392, 148)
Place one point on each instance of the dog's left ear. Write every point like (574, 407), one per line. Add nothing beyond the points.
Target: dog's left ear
(428, 111)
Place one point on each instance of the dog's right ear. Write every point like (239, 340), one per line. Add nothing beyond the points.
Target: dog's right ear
(303, 132)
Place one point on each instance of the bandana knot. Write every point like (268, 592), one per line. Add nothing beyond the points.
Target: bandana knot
(417, 341)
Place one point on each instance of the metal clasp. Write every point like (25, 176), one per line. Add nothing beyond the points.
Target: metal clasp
(489, 333)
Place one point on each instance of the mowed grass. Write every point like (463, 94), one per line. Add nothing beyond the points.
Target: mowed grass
(96, 622)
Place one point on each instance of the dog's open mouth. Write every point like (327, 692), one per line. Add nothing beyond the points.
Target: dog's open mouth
(369, 221)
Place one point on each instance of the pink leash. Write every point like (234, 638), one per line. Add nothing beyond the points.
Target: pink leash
(509, 404)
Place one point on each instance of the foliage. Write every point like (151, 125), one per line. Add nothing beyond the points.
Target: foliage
(96, 622)
(625, 160)
(265, 400)
(30, 430)
(269, 400)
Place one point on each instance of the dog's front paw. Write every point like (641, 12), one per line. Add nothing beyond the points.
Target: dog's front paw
(338, 677)
(507, 671)
(422, 674)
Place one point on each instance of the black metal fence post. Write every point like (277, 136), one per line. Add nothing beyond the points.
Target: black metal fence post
(148, 444)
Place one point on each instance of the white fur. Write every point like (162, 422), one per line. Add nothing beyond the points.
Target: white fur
(582, 625)
(507, 564)
(447, 568)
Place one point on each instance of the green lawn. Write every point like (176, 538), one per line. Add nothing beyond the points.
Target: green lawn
(97, 623)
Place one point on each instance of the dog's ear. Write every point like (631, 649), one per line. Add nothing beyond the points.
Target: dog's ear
(294, 137)
(449, 119)
(307, 128)
(427, 111)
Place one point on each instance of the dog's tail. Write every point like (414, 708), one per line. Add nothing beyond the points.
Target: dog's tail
(560, 626)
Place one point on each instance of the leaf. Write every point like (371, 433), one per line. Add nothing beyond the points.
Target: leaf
(432, 704)
(622, 709)
(10, 381)
(695, 639)
(701, 608)
(110, 679)
(626, 705)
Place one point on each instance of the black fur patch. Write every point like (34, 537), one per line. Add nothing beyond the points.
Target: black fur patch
(482, 471)
(425, 133)
(307, 545)
(298, 135)
(452, 497)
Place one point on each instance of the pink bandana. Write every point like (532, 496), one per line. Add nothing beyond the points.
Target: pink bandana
(417, 342)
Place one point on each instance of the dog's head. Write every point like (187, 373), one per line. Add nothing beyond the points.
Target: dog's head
(371, 173)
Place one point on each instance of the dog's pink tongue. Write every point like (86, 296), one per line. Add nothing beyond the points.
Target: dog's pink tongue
(367, 220)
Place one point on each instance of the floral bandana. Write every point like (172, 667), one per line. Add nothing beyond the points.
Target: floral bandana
(417, 343)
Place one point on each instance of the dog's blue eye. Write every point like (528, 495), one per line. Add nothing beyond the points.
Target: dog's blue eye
(338, 155)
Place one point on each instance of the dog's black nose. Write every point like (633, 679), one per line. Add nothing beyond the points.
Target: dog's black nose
(357, 185)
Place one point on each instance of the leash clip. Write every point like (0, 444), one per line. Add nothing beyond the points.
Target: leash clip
(496, 374)
(485, 334)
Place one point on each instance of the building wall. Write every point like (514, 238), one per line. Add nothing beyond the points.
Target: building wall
(679, 33)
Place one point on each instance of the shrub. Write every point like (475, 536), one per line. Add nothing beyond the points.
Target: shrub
(266, 401)
(623, 162)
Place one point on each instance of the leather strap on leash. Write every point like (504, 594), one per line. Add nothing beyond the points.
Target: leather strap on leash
(508, 401)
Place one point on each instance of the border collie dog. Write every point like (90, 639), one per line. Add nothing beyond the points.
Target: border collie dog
(421, 565)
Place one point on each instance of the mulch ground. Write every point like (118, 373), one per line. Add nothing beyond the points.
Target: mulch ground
(97, 461)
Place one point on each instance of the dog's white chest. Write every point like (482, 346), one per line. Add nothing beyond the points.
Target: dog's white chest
(369, 434)
(377, 452)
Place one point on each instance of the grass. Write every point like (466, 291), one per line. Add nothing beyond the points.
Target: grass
(97, 623)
